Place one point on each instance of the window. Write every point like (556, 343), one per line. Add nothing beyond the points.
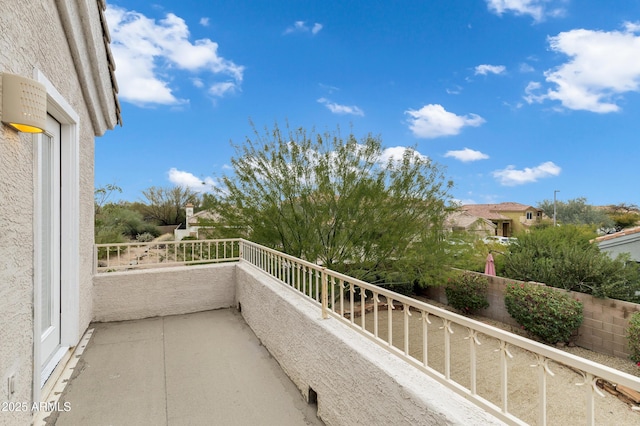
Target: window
(529, 215)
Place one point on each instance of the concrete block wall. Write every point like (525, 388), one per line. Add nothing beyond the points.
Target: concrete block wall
(605, 323)
(603, 329)
(119, 296)
(356, 381)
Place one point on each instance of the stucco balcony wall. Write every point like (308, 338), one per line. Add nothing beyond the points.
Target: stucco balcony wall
(119, 296)
(356, 381)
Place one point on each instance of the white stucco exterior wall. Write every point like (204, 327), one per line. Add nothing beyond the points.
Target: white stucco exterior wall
(120, 296)
(356, 381)
(33, 41)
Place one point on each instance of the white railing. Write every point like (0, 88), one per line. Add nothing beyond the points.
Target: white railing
(117, 257)
(444, 345)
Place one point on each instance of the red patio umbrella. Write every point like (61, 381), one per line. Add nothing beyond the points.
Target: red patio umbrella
(489, 266)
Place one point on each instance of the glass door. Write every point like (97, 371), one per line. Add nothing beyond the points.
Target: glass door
(48, 214)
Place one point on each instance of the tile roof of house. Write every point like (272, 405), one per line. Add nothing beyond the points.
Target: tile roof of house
(465, 219)
(493, 211)
(622, 233)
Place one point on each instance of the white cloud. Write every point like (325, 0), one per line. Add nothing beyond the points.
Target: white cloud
(148, 51)
(631, 27)
(512, 177)
(466, 155)
(189, 180)
(316, 28)
(456, 90)
(341, 109)
(330, 89)
(490, 69)
(602, 67)
(302, 27)
(204, 21)
(524, 68)
(397, 153)
(220, 89)
(432, 121)
(537, 9)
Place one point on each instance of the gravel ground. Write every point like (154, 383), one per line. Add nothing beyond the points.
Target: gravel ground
(566, 401)
(621, 364)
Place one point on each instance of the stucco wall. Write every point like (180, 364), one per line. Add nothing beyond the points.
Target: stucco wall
(32, 37)
(356, 381)
(26, 34)
(603, 329)
(149, 293)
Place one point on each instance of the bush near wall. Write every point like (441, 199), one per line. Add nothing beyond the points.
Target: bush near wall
(467, 292)
(551, 316)
(633, 335)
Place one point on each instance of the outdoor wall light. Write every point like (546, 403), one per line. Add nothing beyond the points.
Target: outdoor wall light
(24, 103)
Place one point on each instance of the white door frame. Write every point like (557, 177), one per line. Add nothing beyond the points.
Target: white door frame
(61, 110)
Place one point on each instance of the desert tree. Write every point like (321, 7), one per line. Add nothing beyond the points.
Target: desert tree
(346, 203)
(576, 212)
(166, 206)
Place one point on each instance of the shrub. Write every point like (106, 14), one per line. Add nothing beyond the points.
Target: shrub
(633, 336)
(544, 312)
(145, 237)
(467, 292)
(564, 257)
(402, 288)
(109, 236)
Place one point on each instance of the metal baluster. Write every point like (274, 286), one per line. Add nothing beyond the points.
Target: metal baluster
(425, 338)
(333, 293)
(446, 326)
(543, 370)
(363, 306)
(352, 292)
(592, 390)
(341, 284)
(376, 301)
(306, 278)
(407, 314)
(473, 341)
(390, 308)
(504, 353)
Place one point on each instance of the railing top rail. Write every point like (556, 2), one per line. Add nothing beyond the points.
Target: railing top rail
(599, 370)
(152, 243)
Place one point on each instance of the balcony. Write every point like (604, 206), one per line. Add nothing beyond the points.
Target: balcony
(364, 354)
(201, 368)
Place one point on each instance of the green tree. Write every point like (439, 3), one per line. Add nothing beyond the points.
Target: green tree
(102, 194)
(166, 206)
(576, 212)
(564, 257)
(336, 201)
(623, 215)
(117, 223)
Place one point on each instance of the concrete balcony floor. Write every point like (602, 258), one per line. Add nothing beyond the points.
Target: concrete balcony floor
(194, 369)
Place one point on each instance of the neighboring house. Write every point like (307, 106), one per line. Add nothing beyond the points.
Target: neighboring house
(60, 51)
(465, 221)
(202, 220)
(625, 241)
(509, 218)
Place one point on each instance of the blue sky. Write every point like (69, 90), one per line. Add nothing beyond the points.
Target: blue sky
(515, 98)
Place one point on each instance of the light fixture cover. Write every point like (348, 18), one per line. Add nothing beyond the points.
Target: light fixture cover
(24, 103)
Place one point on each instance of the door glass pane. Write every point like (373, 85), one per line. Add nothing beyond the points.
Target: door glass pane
(46, 238)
